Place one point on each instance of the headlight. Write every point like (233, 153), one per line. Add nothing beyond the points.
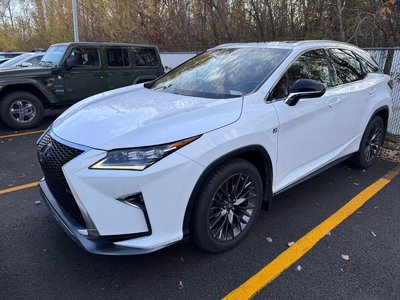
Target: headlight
(138, 158)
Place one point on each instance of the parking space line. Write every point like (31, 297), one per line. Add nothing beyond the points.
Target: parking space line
(18, 188)
(283, 261)
(20, 134)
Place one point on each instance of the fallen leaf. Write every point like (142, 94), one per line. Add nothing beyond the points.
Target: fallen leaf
(181, 285)
(269, 239)
(299, 268)
(290, 244)
(345, 257)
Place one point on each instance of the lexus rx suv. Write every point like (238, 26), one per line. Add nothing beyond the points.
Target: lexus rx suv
(195, 153)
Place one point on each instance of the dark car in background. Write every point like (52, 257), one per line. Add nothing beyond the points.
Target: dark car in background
(70, 72)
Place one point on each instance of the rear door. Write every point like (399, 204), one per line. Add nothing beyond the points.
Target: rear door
(307, 131)
(354, 92)
(84, 76)
(119, 67)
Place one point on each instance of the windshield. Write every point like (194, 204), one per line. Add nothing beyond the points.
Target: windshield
(222, 73)
(14, 61)
(54, 54)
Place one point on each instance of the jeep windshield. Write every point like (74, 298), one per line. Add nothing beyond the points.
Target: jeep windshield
(53, 55)
(222, 73)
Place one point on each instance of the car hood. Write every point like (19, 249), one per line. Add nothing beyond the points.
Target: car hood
(135, 116)
(10, 73)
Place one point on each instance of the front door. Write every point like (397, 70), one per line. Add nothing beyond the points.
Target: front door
(307, 131)
(83, 74)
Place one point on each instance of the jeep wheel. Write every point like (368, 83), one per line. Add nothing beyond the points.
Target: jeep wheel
(21, 110)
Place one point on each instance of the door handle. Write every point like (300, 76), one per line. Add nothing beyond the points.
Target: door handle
(372, 92)
(334, 102)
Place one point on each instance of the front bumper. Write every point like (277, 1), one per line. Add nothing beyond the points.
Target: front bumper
(71, 227)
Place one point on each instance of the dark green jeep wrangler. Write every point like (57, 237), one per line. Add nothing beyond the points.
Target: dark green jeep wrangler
(70, 72)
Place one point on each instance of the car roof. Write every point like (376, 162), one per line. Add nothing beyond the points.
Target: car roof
(98, 44)
(288, 44)
(11, 52)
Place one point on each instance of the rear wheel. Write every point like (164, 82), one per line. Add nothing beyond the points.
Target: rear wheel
(227, 206)
(21, 110)
(371, 143)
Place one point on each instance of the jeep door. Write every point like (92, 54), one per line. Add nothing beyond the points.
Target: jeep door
(307, 131)
(83, 73)
(119, 72)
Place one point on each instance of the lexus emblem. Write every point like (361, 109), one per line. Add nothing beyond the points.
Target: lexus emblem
(45, 152)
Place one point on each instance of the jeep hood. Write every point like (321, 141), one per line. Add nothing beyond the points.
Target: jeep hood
(135, 116)
(7, 74)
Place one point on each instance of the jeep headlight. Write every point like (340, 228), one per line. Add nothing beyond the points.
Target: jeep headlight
(138, 158)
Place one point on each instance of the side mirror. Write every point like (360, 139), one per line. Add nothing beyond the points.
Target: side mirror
(70, 63)
(304, 88)
(55, 70)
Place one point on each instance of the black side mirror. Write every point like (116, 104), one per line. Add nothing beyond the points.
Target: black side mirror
(70, 63)
(55, 70)
(304, 88)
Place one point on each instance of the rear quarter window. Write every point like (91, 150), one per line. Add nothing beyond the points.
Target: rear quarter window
(146, 57)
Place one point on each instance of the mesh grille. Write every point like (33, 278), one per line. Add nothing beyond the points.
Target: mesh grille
(52, 156)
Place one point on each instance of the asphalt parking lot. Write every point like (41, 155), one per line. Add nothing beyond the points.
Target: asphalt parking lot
(359, 259)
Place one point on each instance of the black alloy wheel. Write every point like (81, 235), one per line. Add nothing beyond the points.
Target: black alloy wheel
(227, 206)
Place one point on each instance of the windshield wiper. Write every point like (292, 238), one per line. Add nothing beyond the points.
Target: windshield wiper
(163, 87)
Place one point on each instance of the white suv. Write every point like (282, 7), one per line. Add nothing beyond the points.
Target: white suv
(197, 151)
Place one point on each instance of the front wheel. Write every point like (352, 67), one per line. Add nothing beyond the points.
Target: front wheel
(21, 110)
(227, 206)
(371, 143)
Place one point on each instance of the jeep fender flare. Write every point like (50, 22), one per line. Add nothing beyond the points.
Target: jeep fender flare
(28, 85)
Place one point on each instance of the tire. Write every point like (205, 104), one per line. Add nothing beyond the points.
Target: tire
(370, 145)
(219, 222)
(21, 110)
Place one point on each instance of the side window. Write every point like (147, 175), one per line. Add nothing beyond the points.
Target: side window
(366, 65)
(83, 57)
(146, 57)
(117, 57)
(310, 65)
(347, 67)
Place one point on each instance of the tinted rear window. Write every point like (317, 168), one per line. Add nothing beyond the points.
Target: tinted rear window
(146, 57)
(347, 66)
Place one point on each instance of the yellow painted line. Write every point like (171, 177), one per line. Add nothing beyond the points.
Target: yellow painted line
(304, 244)
(18, 188)
(20, 134)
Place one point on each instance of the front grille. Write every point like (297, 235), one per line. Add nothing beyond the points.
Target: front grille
(52, 156)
